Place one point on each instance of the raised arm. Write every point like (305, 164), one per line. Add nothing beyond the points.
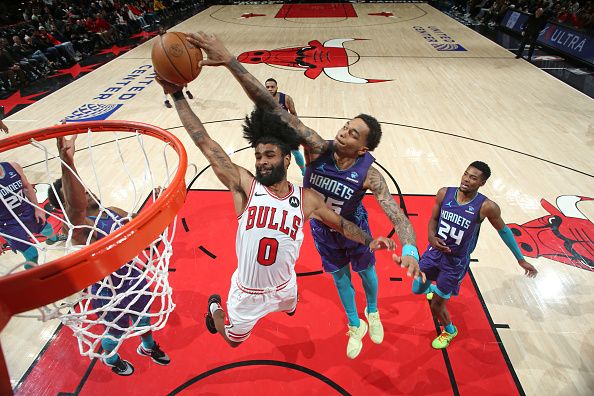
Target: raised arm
(315, 208)
(410, 255)
(74, 193)
(491, 211)
(237, 179)
(255, 90)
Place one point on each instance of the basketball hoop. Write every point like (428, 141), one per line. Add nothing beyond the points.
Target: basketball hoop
(57, 279)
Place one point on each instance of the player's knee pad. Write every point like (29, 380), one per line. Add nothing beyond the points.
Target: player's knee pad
(342, 277)
(369, 276)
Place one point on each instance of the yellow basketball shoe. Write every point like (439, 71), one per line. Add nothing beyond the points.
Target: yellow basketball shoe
(444, 339)
(429, 296)
(376, 330)
(355, 343)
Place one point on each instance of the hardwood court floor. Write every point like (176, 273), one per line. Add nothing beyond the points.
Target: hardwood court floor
(451, 97)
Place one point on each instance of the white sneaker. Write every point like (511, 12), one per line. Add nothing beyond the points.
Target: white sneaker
(376, 330)
(355, 343)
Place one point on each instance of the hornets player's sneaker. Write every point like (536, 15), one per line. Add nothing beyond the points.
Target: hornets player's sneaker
(376, 330)
(154, 353)
(444, 339)
(355, 343)
(429, 296)
(210, 324)
(121, 367)
(56, 239)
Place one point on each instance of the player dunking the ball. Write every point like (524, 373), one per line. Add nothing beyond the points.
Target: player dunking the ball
(453, 232)
(271, 213)
(341, 171)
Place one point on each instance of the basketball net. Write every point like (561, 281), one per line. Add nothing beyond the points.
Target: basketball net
(120, 305)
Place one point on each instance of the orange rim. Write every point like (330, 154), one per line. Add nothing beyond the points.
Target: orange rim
(67, 275)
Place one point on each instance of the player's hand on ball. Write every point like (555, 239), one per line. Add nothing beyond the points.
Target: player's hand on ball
(411, 264)
(216, 52)
(168, 87)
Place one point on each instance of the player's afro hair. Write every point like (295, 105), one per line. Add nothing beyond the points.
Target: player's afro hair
(264, 127)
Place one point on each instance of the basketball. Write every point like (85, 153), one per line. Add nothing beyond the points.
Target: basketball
(175, 59)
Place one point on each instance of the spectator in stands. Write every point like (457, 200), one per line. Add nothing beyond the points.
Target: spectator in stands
(135, 14)
(25, 50)
(104, 29)
(65, 49)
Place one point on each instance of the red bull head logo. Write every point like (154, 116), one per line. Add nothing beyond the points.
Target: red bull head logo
(331, 58)
(565, 234)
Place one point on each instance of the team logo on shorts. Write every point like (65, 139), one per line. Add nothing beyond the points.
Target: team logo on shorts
(93, 112)
(294, 202)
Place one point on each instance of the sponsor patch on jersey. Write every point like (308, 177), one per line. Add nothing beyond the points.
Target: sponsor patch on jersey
(294, 202)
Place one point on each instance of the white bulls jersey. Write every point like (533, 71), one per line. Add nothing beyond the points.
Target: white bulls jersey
(269, 237)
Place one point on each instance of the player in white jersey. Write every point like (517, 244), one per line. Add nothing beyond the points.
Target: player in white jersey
(271, 212)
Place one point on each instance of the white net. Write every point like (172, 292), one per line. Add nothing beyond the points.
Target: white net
(123, 169)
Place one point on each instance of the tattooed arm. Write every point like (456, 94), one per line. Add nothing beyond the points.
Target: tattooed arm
(314, 207)
(237, 179)
(255, 90)
(376, 183)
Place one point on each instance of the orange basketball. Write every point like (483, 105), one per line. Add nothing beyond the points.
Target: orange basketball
(175, 59)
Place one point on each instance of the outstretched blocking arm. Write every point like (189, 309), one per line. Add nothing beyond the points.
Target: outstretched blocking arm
(235, 178)
(491, 211)
(255, 90)
(316, 208)
(410, 255)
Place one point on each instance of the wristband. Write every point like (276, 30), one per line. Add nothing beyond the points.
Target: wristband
(179, 95)
(410, 250)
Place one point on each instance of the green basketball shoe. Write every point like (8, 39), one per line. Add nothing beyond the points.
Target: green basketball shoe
(444, 339)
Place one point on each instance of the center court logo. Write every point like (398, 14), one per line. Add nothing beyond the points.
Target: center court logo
(116, 95)
(438, 39)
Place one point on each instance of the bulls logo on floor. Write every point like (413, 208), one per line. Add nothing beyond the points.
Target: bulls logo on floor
(315, 58)
(565, 235)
